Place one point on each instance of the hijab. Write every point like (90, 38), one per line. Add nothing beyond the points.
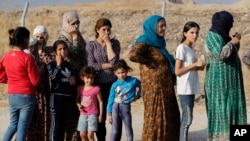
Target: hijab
(222, 22)
(68, 19)
(151, 38)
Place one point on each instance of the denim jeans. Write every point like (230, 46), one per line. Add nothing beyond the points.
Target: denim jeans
(187, 105)
(21, 108)
(101, 131)
(121, 112)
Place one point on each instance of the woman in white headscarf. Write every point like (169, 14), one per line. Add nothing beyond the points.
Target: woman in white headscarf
(71, 34)
(40, 123)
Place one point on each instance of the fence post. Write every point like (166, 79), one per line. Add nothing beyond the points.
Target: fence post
(163, 9)
(24, 14)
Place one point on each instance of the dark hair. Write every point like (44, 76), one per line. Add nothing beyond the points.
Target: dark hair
(58, 42)
(121, 64)
(20, 38)
(86, 71)
(187, 27)
(11, 31)
(100, 23)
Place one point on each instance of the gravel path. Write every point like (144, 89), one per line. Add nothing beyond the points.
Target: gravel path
(197, 131)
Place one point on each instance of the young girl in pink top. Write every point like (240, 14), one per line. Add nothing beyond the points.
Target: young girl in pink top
(88, 100)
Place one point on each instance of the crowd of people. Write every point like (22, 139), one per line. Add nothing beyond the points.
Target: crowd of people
(68, 90)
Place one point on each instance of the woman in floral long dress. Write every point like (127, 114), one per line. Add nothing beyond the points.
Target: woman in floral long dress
(161, 112)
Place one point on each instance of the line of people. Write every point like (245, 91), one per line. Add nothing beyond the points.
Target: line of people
(81, 84)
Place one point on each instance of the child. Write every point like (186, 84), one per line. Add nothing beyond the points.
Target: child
(186, 67)
(122, 93)
(61, 90)
(88, 99)
(18, 70)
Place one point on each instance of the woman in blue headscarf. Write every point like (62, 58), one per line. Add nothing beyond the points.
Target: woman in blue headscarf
(161, 112)
(224, 89)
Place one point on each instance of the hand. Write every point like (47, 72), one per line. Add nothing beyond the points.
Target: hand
(80, 107)
(200, 64)
(58, 60)
(73, 32)
(106, 38)
(236, 38)
(100, 119)
(110, 119)
(72, 80)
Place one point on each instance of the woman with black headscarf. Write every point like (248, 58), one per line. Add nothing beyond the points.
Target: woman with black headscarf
(224, 90)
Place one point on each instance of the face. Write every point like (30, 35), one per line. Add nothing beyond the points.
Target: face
(40, 39)
(161, 28)
(104, 30)
(76, 24)
(88, 80)
(121, 73)
(192, 34)
(62, 50)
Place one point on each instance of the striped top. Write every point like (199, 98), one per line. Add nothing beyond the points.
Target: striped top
(97, 55)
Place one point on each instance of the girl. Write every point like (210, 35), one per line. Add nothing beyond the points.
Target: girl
(186, 67)
(71, 34)
(122, 93)
(60, 73)
(88, 99)
(19, 71)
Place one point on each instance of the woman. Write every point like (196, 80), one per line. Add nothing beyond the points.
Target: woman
(19, 71)
(40, 123)
(225, 96)
(161, 112)
(102, 54)
(71, 34)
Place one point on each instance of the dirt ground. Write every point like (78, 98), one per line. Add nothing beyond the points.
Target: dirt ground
(197, 131)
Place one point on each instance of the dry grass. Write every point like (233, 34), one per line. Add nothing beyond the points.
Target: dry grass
(127, 18)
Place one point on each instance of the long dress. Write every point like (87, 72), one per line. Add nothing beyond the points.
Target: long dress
(40, 123)
(161, 112)
(224, 90)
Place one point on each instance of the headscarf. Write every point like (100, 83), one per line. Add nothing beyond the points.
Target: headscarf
(68, 19)
(41, 30)
(222, 22)
(151, 38)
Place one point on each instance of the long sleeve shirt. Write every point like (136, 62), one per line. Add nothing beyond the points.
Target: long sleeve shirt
(124, 92)
(60, 78)
(19, 71)
(97, 55)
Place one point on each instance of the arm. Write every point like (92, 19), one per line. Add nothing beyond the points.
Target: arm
(138, 85)
(33, 73)
(140, 54)
(179, 70)
(99, 98)
(3, 76)
(78, 99)
(115, 47)
(53, 70)
(110, 102)
(217, 47)
(91, 58)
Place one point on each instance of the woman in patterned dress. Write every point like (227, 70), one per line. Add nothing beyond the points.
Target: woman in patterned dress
(161, 112)
(40, 123)
(225, 96)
